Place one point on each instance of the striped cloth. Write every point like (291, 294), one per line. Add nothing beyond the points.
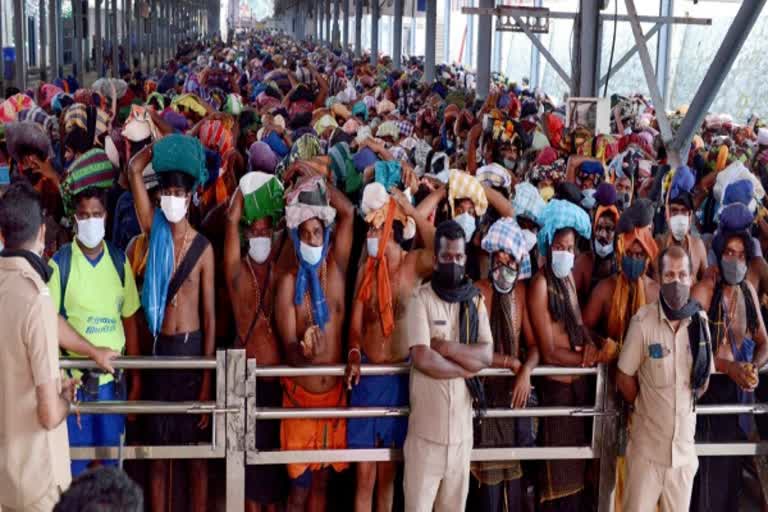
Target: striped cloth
(506, 236)
(39, 116)
(216, 136)
(465, 186)
(76, 116)
(92, 169)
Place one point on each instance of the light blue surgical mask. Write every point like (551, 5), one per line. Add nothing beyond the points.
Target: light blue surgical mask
(311, 254)
(603, 250)
(588, 200)
(468, 224)
(562, 263)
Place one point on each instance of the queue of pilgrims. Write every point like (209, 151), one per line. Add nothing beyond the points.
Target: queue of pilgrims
(314, 209)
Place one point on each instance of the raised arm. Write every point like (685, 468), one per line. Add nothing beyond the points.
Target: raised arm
(345, 220)
(430, 203)
(232, 242)
(501, 204)
(145, 210)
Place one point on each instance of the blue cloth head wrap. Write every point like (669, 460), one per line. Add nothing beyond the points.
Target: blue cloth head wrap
(277, 144)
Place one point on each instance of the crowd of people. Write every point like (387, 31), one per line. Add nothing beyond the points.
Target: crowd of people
(287, 198)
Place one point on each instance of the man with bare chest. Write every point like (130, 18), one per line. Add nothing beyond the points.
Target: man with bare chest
(563, 341)
(740, 349)
(257, 205)
(178, 301)
(311, 300)
(383, 288)
(616, 299)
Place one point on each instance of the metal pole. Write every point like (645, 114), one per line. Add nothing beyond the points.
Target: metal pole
(589, 29)
(77, 43)
(43, 43)
(152, 55)
(429, 46)
(664, 49)
(2, 61)
(328, 21)
(484, 25)
(345, 37)
(397, 35)
(446, 32)
(98, 42)
(717, 72)
(235, 465)
(18, 39)
(115, 41)
(53, 32)
(374, 32)
(358, 28)
(128, 15)
(336, 37)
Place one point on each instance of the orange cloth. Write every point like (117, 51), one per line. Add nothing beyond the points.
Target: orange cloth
(380, 265)
(311, 434)
(722, 158)
(621, 310)
(602, 210)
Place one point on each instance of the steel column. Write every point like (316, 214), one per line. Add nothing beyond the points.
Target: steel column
(235, 465)
(483, 65)
(18, 40)
(664, 49)
(397, 35)
(2, 64)
(115, 41)
(77, 42)
(653, 86)
(374, 32)
(345, 36)
(721, 65)
(336, 34)
(429, 46)
(43, 42)
(535, 57)
(128, 15)
(98, 42)
(53, 32)
(446, 32)
(358, 28)
(328, 21)
(154, 34)
(589, 29)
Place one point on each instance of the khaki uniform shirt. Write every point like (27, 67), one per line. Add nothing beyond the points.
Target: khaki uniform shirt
(664, 422)
(441, 409)
(32, 459)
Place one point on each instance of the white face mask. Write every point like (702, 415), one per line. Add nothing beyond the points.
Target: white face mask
(372, 245)
(311, 254)
(679, 225)
(259, 248)
(174, 208)
(562, 263)
(90, 232)
(468, 224)
(603, 250)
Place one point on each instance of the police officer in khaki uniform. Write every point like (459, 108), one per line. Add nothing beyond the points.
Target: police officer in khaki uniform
(34, 399)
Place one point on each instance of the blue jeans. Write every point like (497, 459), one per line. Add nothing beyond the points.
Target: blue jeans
(95, 429)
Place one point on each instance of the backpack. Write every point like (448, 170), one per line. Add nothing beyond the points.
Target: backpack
(63, 259)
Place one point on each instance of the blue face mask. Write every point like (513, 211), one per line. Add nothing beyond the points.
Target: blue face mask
(633, 268)
(468, 224)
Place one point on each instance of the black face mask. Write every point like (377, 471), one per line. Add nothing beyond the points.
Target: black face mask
(449, 275)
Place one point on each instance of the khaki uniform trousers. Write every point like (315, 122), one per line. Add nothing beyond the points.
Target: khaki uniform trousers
(44, 504)
(435, 475)
(650, 484)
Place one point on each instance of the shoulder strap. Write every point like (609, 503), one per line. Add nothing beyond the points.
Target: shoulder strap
(118, 260)
(199, 244)
(63, 259)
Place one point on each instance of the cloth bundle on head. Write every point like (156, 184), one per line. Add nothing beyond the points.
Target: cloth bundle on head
(216, 135)
(733, 173)
(180, 153)
(465, 186)
(547, 156)
(26, 134)
(262, 197)
(380, 210)
(47, 93)
(557, 215)
(139, 125)
(91, 169)
(233, 104)
(306, 147)
(277, 144)
(527, 201)
(505, 235)
(360, 109)
(592, 168)
(741, 191)
(494, 175)
(363, 158)
(190, 102)
(177, 121)
(762, 137)
(10, 108)
(262, 158)
(735, 217)
(384, 107)
(80, 116)
(325, 122)
(351, 126)
(106, 87)
(554, 173)
(343, 168)
(388, 129)
(388, 173)
(605, 195)
(308, 199)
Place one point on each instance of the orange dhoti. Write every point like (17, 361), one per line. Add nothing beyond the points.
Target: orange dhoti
(312, 434)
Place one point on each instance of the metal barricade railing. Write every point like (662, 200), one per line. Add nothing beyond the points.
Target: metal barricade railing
(235, 417)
